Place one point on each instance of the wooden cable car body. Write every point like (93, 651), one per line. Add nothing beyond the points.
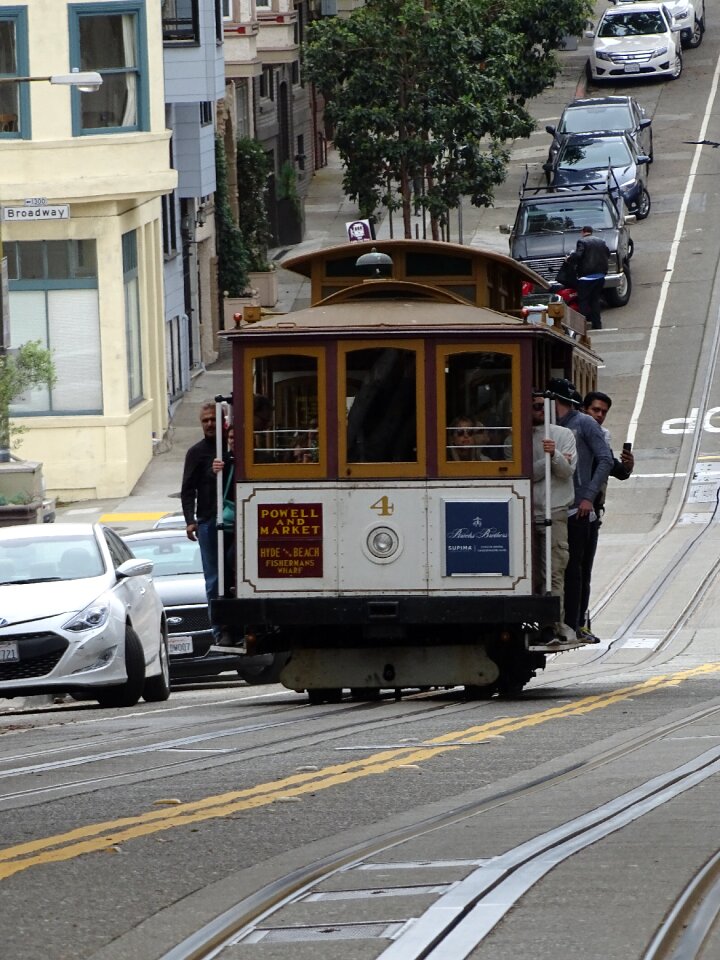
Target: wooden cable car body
(376, 545)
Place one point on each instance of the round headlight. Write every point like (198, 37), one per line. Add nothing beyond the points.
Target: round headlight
(382, 542)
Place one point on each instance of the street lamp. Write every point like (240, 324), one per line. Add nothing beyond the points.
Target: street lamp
(87, 82)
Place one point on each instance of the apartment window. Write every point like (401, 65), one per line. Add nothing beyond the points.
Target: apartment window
(110, 38)
(180, 21)
(295, 69)
(14, 97)
(169, 222)
(54, 299)
(133, 332)
(227, 11)
(267, 83)
(206, 113)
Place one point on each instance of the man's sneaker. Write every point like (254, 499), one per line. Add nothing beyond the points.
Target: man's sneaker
(587, 636)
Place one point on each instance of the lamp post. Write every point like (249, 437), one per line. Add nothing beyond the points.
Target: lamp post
(86, 82)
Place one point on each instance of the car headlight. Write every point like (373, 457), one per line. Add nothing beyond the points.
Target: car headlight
(628, 185)
(681, 14)
(602, 55)
(93, 616)
(660, 52)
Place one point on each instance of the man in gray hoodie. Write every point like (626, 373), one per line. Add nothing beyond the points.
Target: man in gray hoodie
(594, 463)
(559, 444)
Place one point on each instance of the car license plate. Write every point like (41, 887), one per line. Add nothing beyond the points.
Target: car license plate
(179, 645)
(632, 68)
(9, 652)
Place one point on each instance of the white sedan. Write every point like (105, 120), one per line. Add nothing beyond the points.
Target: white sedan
(80, 615)
(635, 40)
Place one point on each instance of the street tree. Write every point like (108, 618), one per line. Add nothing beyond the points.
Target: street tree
(424, 95)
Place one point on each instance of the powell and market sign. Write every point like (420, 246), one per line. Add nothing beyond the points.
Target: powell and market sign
(36, 208)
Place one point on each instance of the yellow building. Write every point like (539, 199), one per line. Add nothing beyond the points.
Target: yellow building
(82, 178)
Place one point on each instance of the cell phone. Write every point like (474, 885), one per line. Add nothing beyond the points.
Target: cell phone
(627, 446)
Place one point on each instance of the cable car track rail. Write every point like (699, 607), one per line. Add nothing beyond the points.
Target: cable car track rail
(448, 929)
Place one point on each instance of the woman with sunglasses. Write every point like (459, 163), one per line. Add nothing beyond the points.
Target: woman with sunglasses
(466, 439)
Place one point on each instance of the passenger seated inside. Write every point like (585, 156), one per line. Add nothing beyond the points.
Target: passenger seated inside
(466, 439)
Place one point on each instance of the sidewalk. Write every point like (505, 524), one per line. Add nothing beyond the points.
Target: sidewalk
(327, 211)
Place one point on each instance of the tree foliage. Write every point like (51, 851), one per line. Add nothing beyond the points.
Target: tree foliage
(233, 256)
(29, 366)
(253, 169)
(423, 95)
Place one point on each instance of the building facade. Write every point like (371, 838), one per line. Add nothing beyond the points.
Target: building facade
(87, 283)
(194, 83)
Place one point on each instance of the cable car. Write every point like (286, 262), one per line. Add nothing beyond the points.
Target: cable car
(383, 464)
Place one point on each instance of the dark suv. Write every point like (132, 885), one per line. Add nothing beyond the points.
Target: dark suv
(547, 228)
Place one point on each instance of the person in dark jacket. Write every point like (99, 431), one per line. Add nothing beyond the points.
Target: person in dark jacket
(198, 496)
(590, 260)
(597, 405)
(594, 462)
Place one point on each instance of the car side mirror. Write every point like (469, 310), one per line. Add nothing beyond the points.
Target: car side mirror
(630, 218)
(644, 124)
(550, 130)
(589, 34)
(676, 28)
(134, 568)
(505, 228)
(642, 159)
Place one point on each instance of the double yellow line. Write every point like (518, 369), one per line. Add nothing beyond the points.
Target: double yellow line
(104, 836)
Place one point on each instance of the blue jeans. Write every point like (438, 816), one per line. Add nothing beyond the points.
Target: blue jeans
(207, 538)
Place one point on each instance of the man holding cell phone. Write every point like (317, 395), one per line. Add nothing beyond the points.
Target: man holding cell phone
(597, 405)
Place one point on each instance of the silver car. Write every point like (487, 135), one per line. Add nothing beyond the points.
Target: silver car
(177, 570)
(80, 615)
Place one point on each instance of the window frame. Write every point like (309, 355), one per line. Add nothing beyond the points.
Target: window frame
(133, 325)
(184, 41)
(136, 9)
(19, 17)
(283, 471)
(352, 470)
(473, 468)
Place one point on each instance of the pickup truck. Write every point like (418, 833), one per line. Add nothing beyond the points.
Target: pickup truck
(548, 224)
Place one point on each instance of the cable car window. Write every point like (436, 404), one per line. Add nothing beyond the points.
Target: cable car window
(285, 409)
(478, 405)
(381, 405)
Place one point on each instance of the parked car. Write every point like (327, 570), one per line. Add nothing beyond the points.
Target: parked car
(589, 157)
(80, 615)
(547, 227)
(638, 39)
(690, 17)
(177, 571)
(614, 114)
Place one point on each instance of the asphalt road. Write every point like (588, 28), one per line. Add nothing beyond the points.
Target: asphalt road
(125, 831)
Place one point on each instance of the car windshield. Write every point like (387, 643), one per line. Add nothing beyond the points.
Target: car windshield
(632, 24)
(570, 214)
(594, 154)
(614, 116)
(41, 559)
(171, 556)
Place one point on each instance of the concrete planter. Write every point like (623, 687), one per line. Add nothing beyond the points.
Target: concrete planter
(264, 284)
(13, 513)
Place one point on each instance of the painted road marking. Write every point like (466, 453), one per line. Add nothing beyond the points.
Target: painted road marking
(95, 837)
(129, 517)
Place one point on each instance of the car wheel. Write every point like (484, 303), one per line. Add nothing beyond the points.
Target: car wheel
(696, 36)
(127, 694)
(263, 669)
(157, 688)
(620, 295)
(677, 67)
(643, 204)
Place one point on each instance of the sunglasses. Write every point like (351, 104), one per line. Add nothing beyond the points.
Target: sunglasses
(465, 433)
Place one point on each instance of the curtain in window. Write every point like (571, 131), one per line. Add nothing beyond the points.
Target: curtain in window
(129, 48)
